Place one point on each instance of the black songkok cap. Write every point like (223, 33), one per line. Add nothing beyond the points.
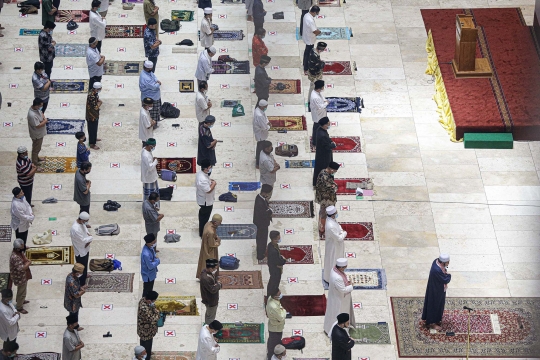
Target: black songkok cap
(342, 318)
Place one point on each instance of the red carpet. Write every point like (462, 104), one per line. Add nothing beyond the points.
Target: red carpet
(346, 144)
(337, 68)
(357, 231)
(304, 305)
(508, 102)
(300, 254)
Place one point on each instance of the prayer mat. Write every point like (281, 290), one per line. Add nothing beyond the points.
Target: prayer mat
(71, 50)
(122, 68)
(29, 32)
(184, 50)
(39, 356)
(174, 355)
(288, 86)
(5, 233)
(500, 327)
(330, 3)
(243, 334)
(182, 15)
(4, 281)
(64, 127)
(177, 305)
(292, 209)
(364, 279)
(330, 33)
(230, 67)
(241, 279)
(228, 35)
(110, 282)
(348, 186)
(299, 164)
(370, 333)
(237, 231)
(244, 186)
(179, 165)
(233, 2)
(69, 86)
(289, 123)
(344, 104)
(57, 164)
(337, 68)
(230, 103)
(345, 144)
(124, 31)
(79, 16)
(303, 305)
(133, 1)
(358, 231)
(51, 255)
(186, 85)
(295, 255)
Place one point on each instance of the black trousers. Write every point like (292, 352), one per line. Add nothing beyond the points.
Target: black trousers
(45, 105)
(316, 126)
(274, 338)
(273, 282)
(307, 51)
(83, 260)
(304, 12)
(92, 131)
(259, 23)
(98, 47)
(147, 345)
(84, 208)
(147, 287)
(154, 61)
(27, 189)
(93, 80)
(21, 235)
(204, 216)
(76, 314)
(258, 152)
(48, 68)
(262, 241)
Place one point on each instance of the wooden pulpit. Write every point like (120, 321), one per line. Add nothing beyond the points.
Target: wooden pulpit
(465, 63)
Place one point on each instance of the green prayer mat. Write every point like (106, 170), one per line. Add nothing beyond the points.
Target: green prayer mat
(182, 15)
(370, 333)
(248, 333)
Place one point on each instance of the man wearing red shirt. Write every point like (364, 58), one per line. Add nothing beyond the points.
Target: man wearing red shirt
(258, 47)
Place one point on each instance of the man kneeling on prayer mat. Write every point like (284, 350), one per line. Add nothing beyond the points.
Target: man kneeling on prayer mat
(210, 243)
(339, 296)
(342, 343)
(208, 347)
(436, 292)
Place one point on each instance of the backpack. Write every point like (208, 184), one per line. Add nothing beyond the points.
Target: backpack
(294, 343)
(101, 265)
(34, 3)
(25, 10)
(228, 197)
(169, 111)
(117, 264)
(287, 150)
(166, 193)
(172, 238)
(109, 229)
(229, 263)
(168, 25)
(238, 110)
(167, 175)
(72, 25)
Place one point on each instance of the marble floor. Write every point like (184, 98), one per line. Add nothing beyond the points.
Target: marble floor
(432, 195)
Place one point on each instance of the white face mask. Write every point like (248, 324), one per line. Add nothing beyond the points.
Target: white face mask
(150, 108)
(79, 275)
(214, 272)
(279, 241)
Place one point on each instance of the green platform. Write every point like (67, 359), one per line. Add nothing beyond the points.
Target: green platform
(488, 141)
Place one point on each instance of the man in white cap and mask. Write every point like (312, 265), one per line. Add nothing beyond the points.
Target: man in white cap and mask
(207, 30)
(334, 248)
(204, 65)
(261, 125)
(150, 87)
(81, 240)
(279, 352)
(339, 296)
(140, 353)
(436, 292)
(93, 104)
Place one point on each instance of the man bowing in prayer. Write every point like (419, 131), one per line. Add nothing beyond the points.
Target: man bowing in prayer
(210, 243)
(326, 193)
(208, 347)
(436, 292)
(323, 152)
(334, 248)
(342, 343)
(339, 296)
(204, 65)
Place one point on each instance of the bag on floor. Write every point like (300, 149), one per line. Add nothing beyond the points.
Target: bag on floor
(161, 320)
(25, 10)
(229, 263)
(287, 150)
(278, 15)
(101, 265)
(166, 193)
(72, 25)
(168, 25)
(167, 175)
(169, 111)
(128, 6)
(43, 238)
(34, 3)
(117, 265)
(228, 197)
(172, 238)
(294, 343)
(238, 110)
(107, 230)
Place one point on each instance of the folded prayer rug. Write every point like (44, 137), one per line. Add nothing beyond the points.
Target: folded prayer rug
(69, 86)
(182, 15)
(124, 31)
(177, 305)
(79, 16)
(70, 50)
(122, 68)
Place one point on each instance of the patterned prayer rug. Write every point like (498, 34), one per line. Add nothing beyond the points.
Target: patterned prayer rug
(182, 15)
(337, 68)
(124, 31)
(133, 1)
(330, 33)
(345, 144)
(184, 50)
(231, 2)
(228, 35)
(180, 165)
(348, 186)
(71, 50)
(295, 255)
(241, 279)
(5, 233)
(174, 355)
(64, 127)
(230, 103)
(4, 281)
(186, 86)
(243, 334)
(500, 327)
(344, 104)
(244, 186)
(69, 86)
(303, 305)
(232, 67)
(330, 3)
(51, 255)
(370, 333)
(56, 164)
(285, 86)
(364, 279)
(122, 68)
(292, 209)
(299, 164)
(39, 356)
(358, 231)
(29, 32)
(237, 231)
(289, 123)
(177, 305)
(80, 16)
(113, 282)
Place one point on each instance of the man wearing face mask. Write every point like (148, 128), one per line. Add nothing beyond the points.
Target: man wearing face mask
(19, 270)
(435, 298)
(334, 248)
(258, 47)
(339, 296)
(202, 103)
(93, 105)
(97, 21)
(317, 106)
(261, 125)
(268, 166)
(262, 216)
(204, 65)
(140, 353)
(9, 350)
(94, 60)
(207, 348)
(72, 344)
(151, 43)
(9, 318)
(147, 317)
(210, 243)
(323, 152)
(21, 215)
(74, 291)
(81, 188)
(207, 30)
(46, 45)
(146, 123)
(342, 343)
(275, 263)
(152, 218)
(276, 320)
(262, 80)
(205, 193)
(315, 66)
(42, 84)
(37, 128)
(149, 264)
(206, 147)
(210, 287)
(26, 170)
(326, 194)
(149, 174)
(81, 240)
(280, 353)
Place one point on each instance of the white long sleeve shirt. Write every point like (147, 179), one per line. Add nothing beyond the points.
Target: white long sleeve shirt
(204, 66)
(207, 347)
(207, 38)
(21, 214)
(148, 167)
(202, 184)
(9, 322)
(80, 237)
(317, 104)
(260, 124)
(201, 106)
(146, 130)
(97, 26)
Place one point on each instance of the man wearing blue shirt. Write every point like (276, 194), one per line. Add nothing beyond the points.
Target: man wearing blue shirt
(150, 88)
(151, 43)
(149, 263)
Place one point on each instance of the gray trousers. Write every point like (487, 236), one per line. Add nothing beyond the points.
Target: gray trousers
(210, 314)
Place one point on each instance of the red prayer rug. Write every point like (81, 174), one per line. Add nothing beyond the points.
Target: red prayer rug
(295, 255)
(79, 16)
(348, 186)
(304, 305)
(345, 144)
(337, 68)
(179, 165)
(124, 31)
(285, 86)
(289, 123)
(357, 231)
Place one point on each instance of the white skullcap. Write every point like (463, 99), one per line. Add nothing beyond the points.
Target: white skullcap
(212, 50)
(207, 10)
(21, 149)
(331, 210)
(342, 262)
(139, 350)
(263, 103)
(97, 85)
(148, 64)
(84, 216)
(444, 257)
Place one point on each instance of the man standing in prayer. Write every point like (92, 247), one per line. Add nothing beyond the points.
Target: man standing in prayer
(210, 243)
(315, 66)
(210, 287)
(146, 123)
(25, 172)
(258, 47)
(207, 348)
(48, 11)
(149, 263)
(334, 248)
(268, 166)
(342, 343)
(94, 61)
(140, 353)
(276, 321)
(309, 34)
(150, 10)
(339, 296)
(152, 218)
(149, 86)
(97, 23)
(42, 84)
(204, 65)
(21, 215)
(202, 102)
(206, 193)
(303, 5)
(279, 352)
(151, 43)
(72, 344)
(275, 263)
(81, 240)
(435, 298)
(9, 318)
(147, 318)
(323, 151)
(326, 195)
(46, 44)
(262, 80)
(74, 291)
(19, 271)
(258, 14)
(261, 125)
(149, 174)
(93, 104)
(317, 106)
(81, 188)
(262, 216)
(37, 128)
(83, 152)
(206, 147)
(207, 30)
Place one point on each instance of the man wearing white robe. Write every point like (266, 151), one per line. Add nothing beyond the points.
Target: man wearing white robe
(146, 123)
(261, 125)
(339, 296)
(317, 105)
(334, 248)
(208, 347)
(204, 65)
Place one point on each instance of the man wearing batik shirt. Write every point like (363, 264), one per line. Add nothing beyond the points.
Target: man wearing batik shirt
(46, 46)
(19, 270)
(325, 192)
(74, 291)
(42, 84)
(151, 43)
(93, 104)
(25, 172)
(315, 66)
(258, 47)
(147, 318)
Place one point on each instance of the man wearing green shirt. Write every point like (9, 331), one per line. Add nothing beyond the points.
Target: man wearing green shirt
(48, 11)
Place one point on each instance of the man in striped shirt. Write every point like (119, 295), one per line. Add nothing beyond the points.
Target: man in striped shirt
(25, 173)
